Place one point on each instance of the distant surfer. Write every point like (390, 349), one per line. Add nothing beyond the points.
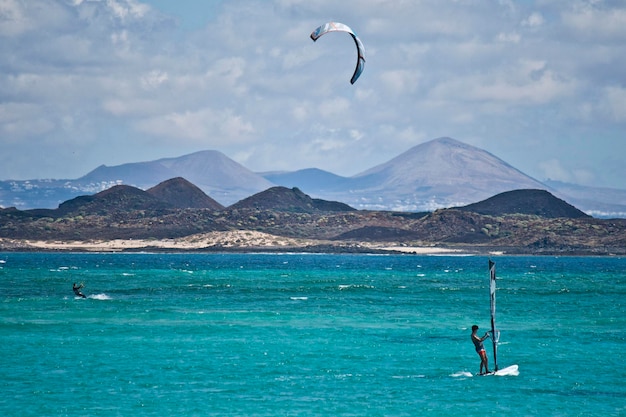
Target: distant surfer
(480, 349)
(76, 289)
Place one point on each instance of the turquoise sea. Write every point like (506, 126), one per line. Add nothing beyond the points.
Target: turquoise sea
(308, 335)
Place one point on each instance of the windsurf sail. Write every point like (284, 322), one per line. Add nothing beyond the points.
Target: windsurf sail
(495, 335)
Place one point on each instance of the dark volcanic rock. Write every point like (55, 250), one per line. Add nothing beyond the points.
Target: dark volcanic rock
(288, 199)
(120, 198)
(378, 233)
(180, 193)
(531, 202)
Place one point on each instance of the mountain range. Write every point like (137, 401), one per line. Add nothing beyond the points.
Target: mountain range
(440, 173)
(519, 221)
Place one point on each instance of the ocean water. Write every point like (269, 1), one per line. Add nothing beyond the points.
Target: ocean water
(308, 335)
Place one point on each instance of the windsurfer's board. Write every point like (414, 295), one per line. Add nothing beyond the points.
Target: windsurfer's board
(512, 370)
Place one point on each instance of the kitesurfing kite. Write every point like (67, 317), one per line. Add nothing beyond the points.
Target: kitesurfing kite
(340, 27)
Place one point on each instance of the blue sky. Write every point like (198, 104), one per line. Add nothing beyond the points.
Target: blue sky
(540, 84)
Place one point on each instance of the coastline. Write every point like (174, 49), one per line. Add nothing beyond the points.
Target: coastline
(253, 241)
(241, 240)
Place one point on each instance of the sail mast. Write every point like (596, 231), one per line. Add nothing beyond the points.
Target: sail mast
(492, 292)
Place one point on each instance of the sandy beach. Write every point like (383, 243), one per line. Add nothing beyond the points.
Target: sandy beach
(231, 240)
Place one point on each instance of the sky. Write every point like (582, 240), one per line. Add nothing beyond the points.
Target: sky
(538, 83)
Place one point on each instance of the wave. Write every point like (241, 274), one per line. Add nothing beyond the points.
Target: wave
(99, 297)
(349, 286)
(462, 374)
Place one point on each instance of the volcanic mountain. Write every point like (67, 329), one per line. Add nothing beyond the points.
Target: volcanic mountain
(180, 193)
(441, 173)
(292, 200)
(533, 202)
(213, 172)
(175, 193)
(119, 198)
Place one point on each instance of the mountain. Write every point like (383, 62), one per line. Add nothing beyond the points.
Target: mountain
(532, 202)
(440, 173)
(175, 193)
(309, 179)
(117, 199)
(446, 164)
(217, 175)
(180, 193)
(214, 173)
(137, 173)
(597, 201)
(550, 226)
(291, 200)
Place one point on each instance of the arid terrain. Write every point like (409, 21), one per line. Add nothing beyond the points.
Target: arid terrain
(125, 218)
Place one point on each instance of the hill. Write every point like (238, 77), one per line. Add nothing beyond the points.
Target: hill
(290, 200)
(180, 193)
(117, 199)
(596, 201)
(125, 212)
(530, 202)
(213, 172)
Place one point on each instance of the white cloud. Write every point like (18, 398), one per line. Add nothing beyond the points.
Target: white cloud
(553, 169)
(556, 170)
(401, 81)
(13, 19)
(22, 121)
(534, 20)
(334, 108)
(218, 127)
(594, 20)
(523, 83)
(154, 79)
(615, 99)
(124, 9)
(509, 37)
(250, 81)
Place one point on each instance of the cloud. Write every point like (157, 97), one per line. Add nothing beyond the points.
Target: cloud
(522, 83)
(105, 77)
(534, 20)
(554, 169)
(154, 79)
(128, 9)
(595, 20)
(400, 81)
(615, 99)
(20, 121)
(217, 127)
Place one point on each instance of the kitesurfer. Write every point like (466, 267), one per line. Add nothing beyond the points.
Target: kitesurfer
(76, 289)
(480, 349)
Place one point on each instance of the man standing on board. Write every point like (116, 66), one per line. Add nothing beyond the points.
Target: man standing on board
(480, 349)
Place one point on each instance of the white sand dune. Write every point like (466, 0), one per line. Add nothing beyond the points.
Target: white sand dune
(240, 239)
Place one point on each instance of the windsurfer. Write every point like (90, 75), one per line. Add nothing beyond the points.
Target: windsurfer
(480, 349)
(76, 289)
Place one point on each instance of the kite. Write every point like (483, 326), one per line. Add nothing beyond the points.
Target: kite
(340, 27)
